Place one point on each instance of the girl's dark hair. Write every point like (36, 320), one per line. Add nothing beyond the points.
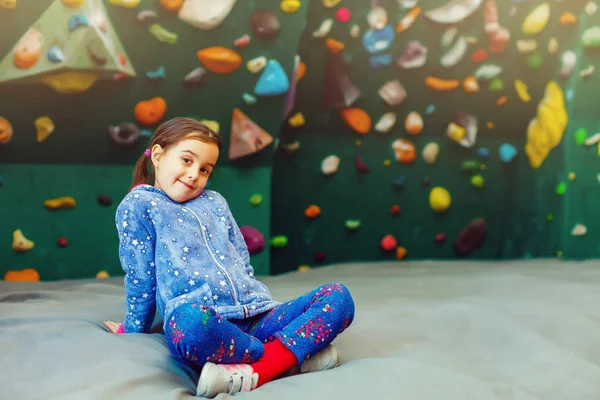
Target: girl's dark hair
(168, 134)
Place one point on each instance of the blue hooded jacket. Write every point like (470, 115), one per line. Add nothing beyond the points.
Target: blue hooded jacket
(176, 253)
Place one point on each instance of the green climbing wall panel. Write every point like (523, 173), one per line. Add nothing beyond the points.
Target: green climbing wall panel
(516, 200)
(90, 227)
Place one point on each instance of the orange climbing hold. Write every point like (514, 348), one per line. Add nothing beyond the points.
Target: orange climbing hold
(413, 123)
(407, 21)
(405, 151)
(441, 85)
(334, 46)
(395, 210)
(312, 211)
(357, 119)
(470, 84)
(24, 275)
(400, 252)
(150, 112)
(171, 5)
(490, 125)
(219, 60)
(301, 71)
(568, 19)
(501, 101)
(479, 56)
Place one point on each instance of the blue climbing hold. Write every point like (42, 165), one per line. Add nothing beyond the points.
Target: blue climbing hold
(569, 94)
(145, 132)
(376, 41)
(273, 80)
(399, 182)
(56, 55)
(507, 152)
(483, 152)
(430, 109)
(380, 60)
(76, 21)
(158, 74)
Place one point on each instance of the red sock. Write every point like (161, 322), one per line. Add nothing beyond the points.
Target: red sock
(275, 361)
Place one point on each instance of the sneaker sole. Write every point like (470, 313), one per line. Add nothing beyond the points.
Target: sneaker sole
(206, 381)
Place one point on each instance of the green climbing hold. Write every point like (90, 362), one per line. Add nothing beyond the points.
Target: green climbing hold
(279, 241)
(496, 85)
(561, 188)
(534, 60)
(581, 135)
(549, 217)
(591, 38)
(352, 224)
(478, 181)
(470, 166)
(248, 99)
(256, 199)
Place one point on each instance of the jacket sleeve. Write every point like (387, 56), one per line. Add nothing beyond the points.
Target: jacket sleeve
(136, 253)
(237, 239)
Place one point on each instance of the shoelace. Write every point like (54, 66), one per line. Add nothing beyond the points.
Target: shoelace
(241, 378)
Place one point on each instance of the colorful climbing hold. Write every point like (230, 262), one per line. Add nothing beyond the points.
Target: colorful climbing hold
(537, 19)
(388, 243)
(330, 165)
(102, 275)
(290, 6)
(20, 243)
(401, 253)
(62, 242)
(60, 203)
(279, 241)
(413, 123)
(357, 119)
(6, 131)
(360, 165)
(312, 211)
(439, 199)
(256, 199)
(352, 224)
(219, 59)
(265, 24)
(395, 210)
(150, 112)
(24, 275)
(104, 200)
(273, 80)
(163, 35)
(404, 151)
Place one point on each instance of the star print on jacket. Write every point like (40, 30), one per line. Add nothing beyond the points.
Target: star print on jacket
(177, 253)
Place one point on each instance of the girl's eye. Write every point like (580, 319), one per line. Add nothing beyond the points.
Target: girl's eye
(186, 160)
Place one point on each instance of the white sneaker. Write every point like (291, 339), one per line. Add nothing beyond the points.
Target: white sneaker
(328, 358)
(225, 378)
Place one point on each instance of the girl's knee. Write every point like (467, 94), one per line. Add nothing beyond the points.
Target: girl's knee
(343, 298)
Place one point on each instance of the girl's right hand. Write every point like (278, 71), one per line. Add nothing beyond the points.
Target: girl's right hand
(113, 327)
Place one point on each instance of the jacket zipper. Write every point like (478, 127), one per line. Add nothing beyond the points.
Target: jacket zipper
(221, 267)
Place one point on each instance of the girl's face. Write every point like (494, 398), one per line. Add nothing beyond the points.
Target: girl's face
(182, 170)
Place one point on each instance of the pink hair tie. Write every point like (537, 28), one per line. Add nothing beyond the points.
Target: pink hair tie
(148, 153)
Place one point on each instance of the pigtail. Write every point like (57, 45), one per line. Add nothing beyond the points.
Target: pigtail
(140, 172)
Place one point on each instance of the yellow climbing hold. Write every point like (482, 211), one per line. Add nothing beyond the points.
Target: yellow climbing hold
(44, 128)
(102, 275)
(212, 125)
(456, 132)
(296, 120)
(387, 163)
(304, 268)
(70, 81)
(290, 6)
(439, 199)
(331, 3)
(546, 130)
(522, 91)
(60, 202)
(537, 19)
(126, 3)
(20, 242)
(73, 3)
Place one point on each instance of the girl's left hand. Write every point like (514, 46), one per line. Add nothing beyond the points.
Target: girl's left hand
(113, 327)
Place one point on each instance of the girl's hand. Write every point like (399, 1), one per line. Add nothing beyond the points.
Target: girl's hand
(113, 327)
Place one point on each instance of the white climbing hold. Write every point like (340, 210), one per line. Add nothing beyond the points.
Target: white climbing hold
(526, 46)
(448, 36)
(591, 8)
(430, 152)
(386, 122)
(330, 165)
(355, 31)
(587, 72)
(455, 54)
(323, 29)
(579, 230)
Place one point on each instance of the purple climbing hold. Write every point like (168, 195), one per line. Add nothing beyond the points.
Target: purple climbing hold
(253, 238)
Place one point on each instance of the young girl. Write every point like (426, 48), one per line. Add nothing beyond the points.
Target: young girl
(183, 253)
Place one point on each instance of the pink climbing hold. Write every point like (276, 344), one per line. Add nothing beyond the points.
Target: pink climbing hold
(343, 14)
(389, 243)
(253, 238)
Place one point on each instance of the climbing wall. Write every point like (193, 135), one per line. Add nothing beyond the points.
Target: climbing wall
(440, 129)
(85, 82)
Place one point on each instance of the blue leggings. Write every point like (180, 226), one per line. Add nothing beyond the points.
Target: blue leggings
(196, 334)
